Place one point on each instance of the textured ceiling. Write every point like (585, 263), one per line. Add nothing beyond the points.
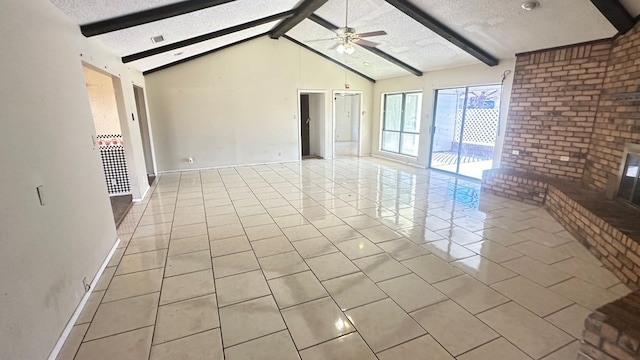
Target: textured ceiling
(500, 27)
(503, 28)
(378, 68)
(406, 39)
(138, 38)
(86, 11)
(199, 48)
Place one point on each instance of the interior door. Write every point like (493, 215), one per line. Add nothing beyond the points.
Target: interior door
(304, 124)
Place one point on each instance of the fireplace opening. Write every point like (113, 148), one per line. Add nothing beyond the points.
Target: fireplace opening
(629, 186)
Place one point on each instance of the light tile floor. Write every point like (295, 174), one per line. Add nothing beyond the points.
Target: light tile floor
(344, 259)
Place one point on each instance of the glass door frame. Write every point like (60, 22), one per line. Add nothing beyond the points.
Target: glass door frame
(462, 124)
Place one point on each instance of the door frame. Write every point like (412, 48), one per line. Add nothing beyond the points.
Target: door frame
(333, 119)
(298, 121)
(147, 124)
(119, 94)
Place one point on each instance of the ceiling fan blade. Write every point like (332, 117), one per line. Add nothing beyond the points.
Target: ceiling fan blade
(366, 43)
(315, 40)
(372, 33)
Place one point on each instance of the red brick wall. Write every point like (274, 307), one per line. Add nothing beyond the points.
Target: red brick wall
(553, 107)
(617, 251)
(563, 104)
(617, 121)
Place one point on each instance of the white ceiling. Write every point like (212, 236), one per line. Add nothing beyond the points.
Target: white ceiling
(87, 11)
(500, 27)
(406, 39)
(155, 61)
(138, 38)
(378, 68)
(503, 28)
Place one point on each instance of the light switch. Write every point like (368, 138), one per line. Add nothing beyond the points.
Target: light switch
(40, 190)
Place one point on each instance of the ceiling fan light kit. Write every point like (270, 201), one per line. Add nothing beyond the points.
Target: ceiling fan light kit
(345, 48)
(347, 36)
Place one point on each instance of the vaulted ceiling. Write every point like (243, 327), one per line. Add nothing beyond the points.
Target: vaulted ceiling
(422, 35)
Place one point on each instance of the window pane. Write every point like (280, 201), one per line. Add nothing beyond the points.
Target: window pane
(628, 177)
(390, 141)
(392, 112)
(410, 144)
(484, 97)
(412, 107)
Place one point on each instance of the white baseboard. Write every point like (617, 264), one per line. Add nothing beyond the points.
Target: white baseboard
(229, 166)
(76, 314)
(397, 160)
(143, 195)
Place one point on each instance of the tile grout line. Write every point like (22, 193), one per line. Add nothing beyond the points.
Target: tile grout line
(271, 295)
(164, 269)
(110, 280)
(317, 201)
(215, 289)
(334, 301)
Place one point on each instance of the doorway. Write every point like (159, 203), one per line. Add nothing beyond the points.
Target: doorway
(101, 89)
(465, 129)
(312, 125)
(346, 120)
(145, 132)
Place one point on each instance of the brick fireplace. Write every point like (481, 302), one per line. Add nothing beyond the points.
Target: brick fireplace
(574, 115)
(571, 145)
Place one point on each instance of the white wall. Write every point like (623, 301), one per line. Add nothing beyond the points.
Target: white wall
(240, 106)
(46, 119)
(428, 84)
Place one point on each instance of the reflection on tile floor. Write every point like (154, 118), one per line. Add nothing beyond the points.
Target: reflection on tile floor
(344, 259)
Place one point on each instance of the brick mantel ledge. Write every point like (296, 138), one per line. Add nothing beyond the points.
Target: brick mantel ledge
(613, 331)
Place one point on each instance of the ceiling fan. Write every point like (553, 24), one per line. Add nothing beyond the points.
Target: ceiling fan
(347, 36)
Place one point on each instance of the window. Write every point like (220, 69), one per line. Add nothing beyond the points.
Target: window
(629, 189)
(401, 123)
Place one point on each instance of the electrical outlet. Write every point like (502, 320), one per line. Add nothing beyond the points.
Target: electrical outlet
(564, 158)
(515, 152)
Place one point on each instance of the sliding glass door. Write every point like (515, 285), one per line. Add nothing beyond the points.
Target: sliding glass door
(465, 129)
(401, 123)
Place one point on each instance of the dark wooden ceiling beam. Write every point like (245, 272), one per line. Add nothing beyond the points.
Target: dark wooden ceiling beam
(617, 15)
(302, 11)
(205, 37)
(328, 25)
(147, 16)
(327, 57)
(442, 30)
(181, 61)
